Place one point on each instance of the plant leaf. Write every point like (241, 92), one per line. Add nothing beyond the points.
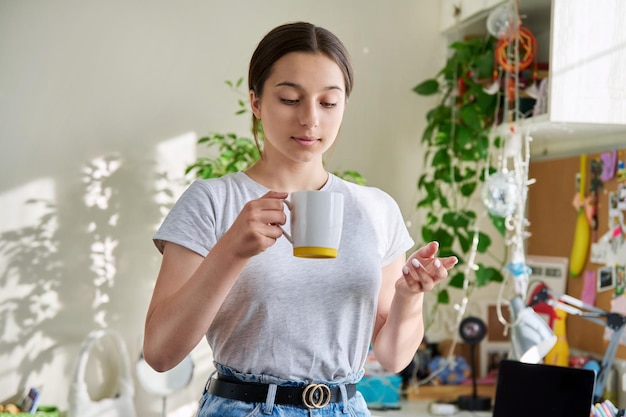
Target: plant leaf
(457, 280)
(487, 274)
(443, 297)
(499, 223)
(471, 117)
(427, 87)
(467, 189)
(484, 241)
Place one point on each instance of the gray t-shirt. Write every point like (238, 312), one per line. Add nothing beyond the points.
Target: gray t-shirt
(293, 318)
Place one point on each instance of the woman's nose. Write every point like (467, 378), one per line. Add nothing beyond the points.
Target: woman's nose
(308, 115)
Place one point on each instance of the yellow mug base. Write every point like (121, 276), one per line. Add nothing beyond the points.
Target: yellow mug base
(314, 252)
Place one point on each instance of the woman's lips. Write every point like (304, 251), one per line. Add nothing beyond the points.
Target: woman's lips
(305, 140)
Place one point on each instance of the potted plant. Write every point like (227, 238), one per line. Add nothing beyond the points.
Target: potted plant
(458, 143)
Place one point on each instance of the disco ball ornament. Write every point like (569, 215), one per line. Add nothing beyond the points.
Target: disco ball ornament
(500, 194)
(503, 21)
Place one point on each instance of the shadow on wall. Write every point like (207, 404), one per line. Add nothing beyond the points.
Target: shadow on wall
(61, 277)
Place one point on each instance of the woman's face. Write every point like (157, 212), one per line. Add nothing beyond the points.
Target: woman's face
(301, 108)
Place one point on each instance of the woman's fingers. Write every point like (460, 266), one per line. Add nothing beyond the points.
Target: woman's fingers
(257, 226)
(427, 251)
(423, 270)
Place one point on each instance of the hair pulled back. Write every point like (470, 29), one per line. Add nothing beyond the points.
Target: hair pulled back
(295, 37)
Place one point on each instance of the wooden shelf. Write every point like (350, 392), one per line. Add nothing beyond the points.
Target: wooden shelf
(559, 140)
(448, 392)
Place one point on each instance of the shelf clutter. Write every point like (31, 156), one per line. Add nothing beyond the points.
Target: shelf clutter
(582, 110)
(606, 409)
(12, 410)
(28, 406)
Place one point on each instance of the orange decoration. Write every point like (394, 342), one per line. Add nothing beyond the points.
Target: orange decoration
(527, 45)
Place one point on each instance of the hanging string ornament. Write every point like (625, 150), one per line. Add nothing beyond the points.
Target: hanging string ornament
(503, 22)
(514, 54)
(504, 193)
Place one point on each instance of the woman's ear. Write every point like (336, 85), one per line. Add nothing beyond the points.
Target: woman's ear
(255, 104)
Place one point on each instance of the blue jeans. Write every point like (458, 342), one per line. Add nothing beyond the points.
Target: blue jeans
(214, 406)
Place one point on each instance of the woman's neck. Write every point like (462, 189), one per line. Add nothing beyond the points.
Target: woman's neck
(288, 180)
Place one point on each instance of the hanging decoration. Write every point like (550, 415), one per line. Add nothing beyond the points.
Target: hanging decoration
(500, 193)
(518, 51)
(505, 191)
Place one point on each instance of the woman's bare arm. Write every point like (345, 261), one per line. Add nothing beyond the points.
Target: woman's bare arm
(190, 289)
(399, 328)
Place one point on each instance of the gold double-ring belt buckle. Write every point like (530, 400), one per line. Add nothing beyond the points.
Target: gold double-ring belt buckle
(316, 395)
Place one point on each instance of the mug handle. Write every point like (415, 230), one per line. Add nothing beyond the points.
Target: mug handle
(287, 235)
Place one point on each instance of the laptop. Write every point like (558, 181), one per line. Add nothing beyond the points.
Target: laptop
(538, 390)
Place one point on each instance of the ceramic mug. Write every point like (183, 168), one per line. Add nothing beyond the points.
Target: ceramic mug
(316, 223)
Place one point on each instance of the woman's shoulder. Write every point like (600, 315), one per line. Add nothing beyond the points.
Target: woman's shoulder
(232, 178)
(366, 192)
(225, 183)
(367, 198)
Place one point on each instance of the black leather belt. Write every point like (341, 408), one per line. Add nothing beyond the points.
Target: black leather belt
(310, 396)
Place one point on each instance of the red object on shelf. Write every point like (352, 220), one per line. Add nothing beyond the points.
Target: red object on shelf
(544, 308)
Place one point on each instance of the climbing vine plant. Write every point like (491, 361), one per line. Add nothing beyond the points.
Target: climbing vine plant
(458, 143)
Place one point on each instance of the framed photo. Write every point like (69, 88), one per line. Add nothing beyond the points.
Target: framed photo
(494, 353)
(606, 278)
(497, 344)
(550, 270)
(495, 329)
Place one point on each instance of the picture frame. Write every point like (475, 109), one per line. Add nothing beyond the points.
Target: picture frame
(493, 354)
(497, 345)
(551, 270)
(606, 278)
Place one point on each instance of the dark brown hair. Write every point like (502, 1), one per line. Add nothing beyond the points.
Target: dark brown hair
(295, 37)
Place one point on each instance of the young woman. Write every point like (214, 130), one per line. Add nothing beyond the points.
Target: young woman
(289, 336)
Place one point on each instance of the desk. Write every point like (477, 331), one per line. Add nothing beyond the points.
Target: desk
(415, 408)
(418, 400)
(449, 393)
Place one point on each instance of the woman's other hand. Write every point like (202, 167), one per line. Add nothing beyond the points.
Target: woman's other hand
(423, 270)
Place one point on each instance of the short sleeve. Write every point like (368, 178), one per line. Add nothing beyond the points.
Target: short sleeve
(191, 221)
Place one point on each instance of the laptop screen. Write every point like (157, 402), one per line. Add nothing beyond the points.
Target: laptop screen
(538, 390)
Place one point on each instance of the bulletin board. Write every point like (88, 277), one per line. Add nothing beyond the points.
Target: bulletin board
(553, 216)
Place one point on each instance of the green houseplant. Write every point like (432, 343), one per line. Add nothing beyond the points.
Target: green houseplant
(458, 143)
(237, 153)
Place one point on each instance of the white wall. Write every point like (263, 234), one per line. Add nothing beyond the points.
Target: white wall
(99, 98)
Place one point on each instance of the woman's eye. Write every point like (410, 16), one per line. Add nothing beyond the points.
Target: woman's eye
(324, 104)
